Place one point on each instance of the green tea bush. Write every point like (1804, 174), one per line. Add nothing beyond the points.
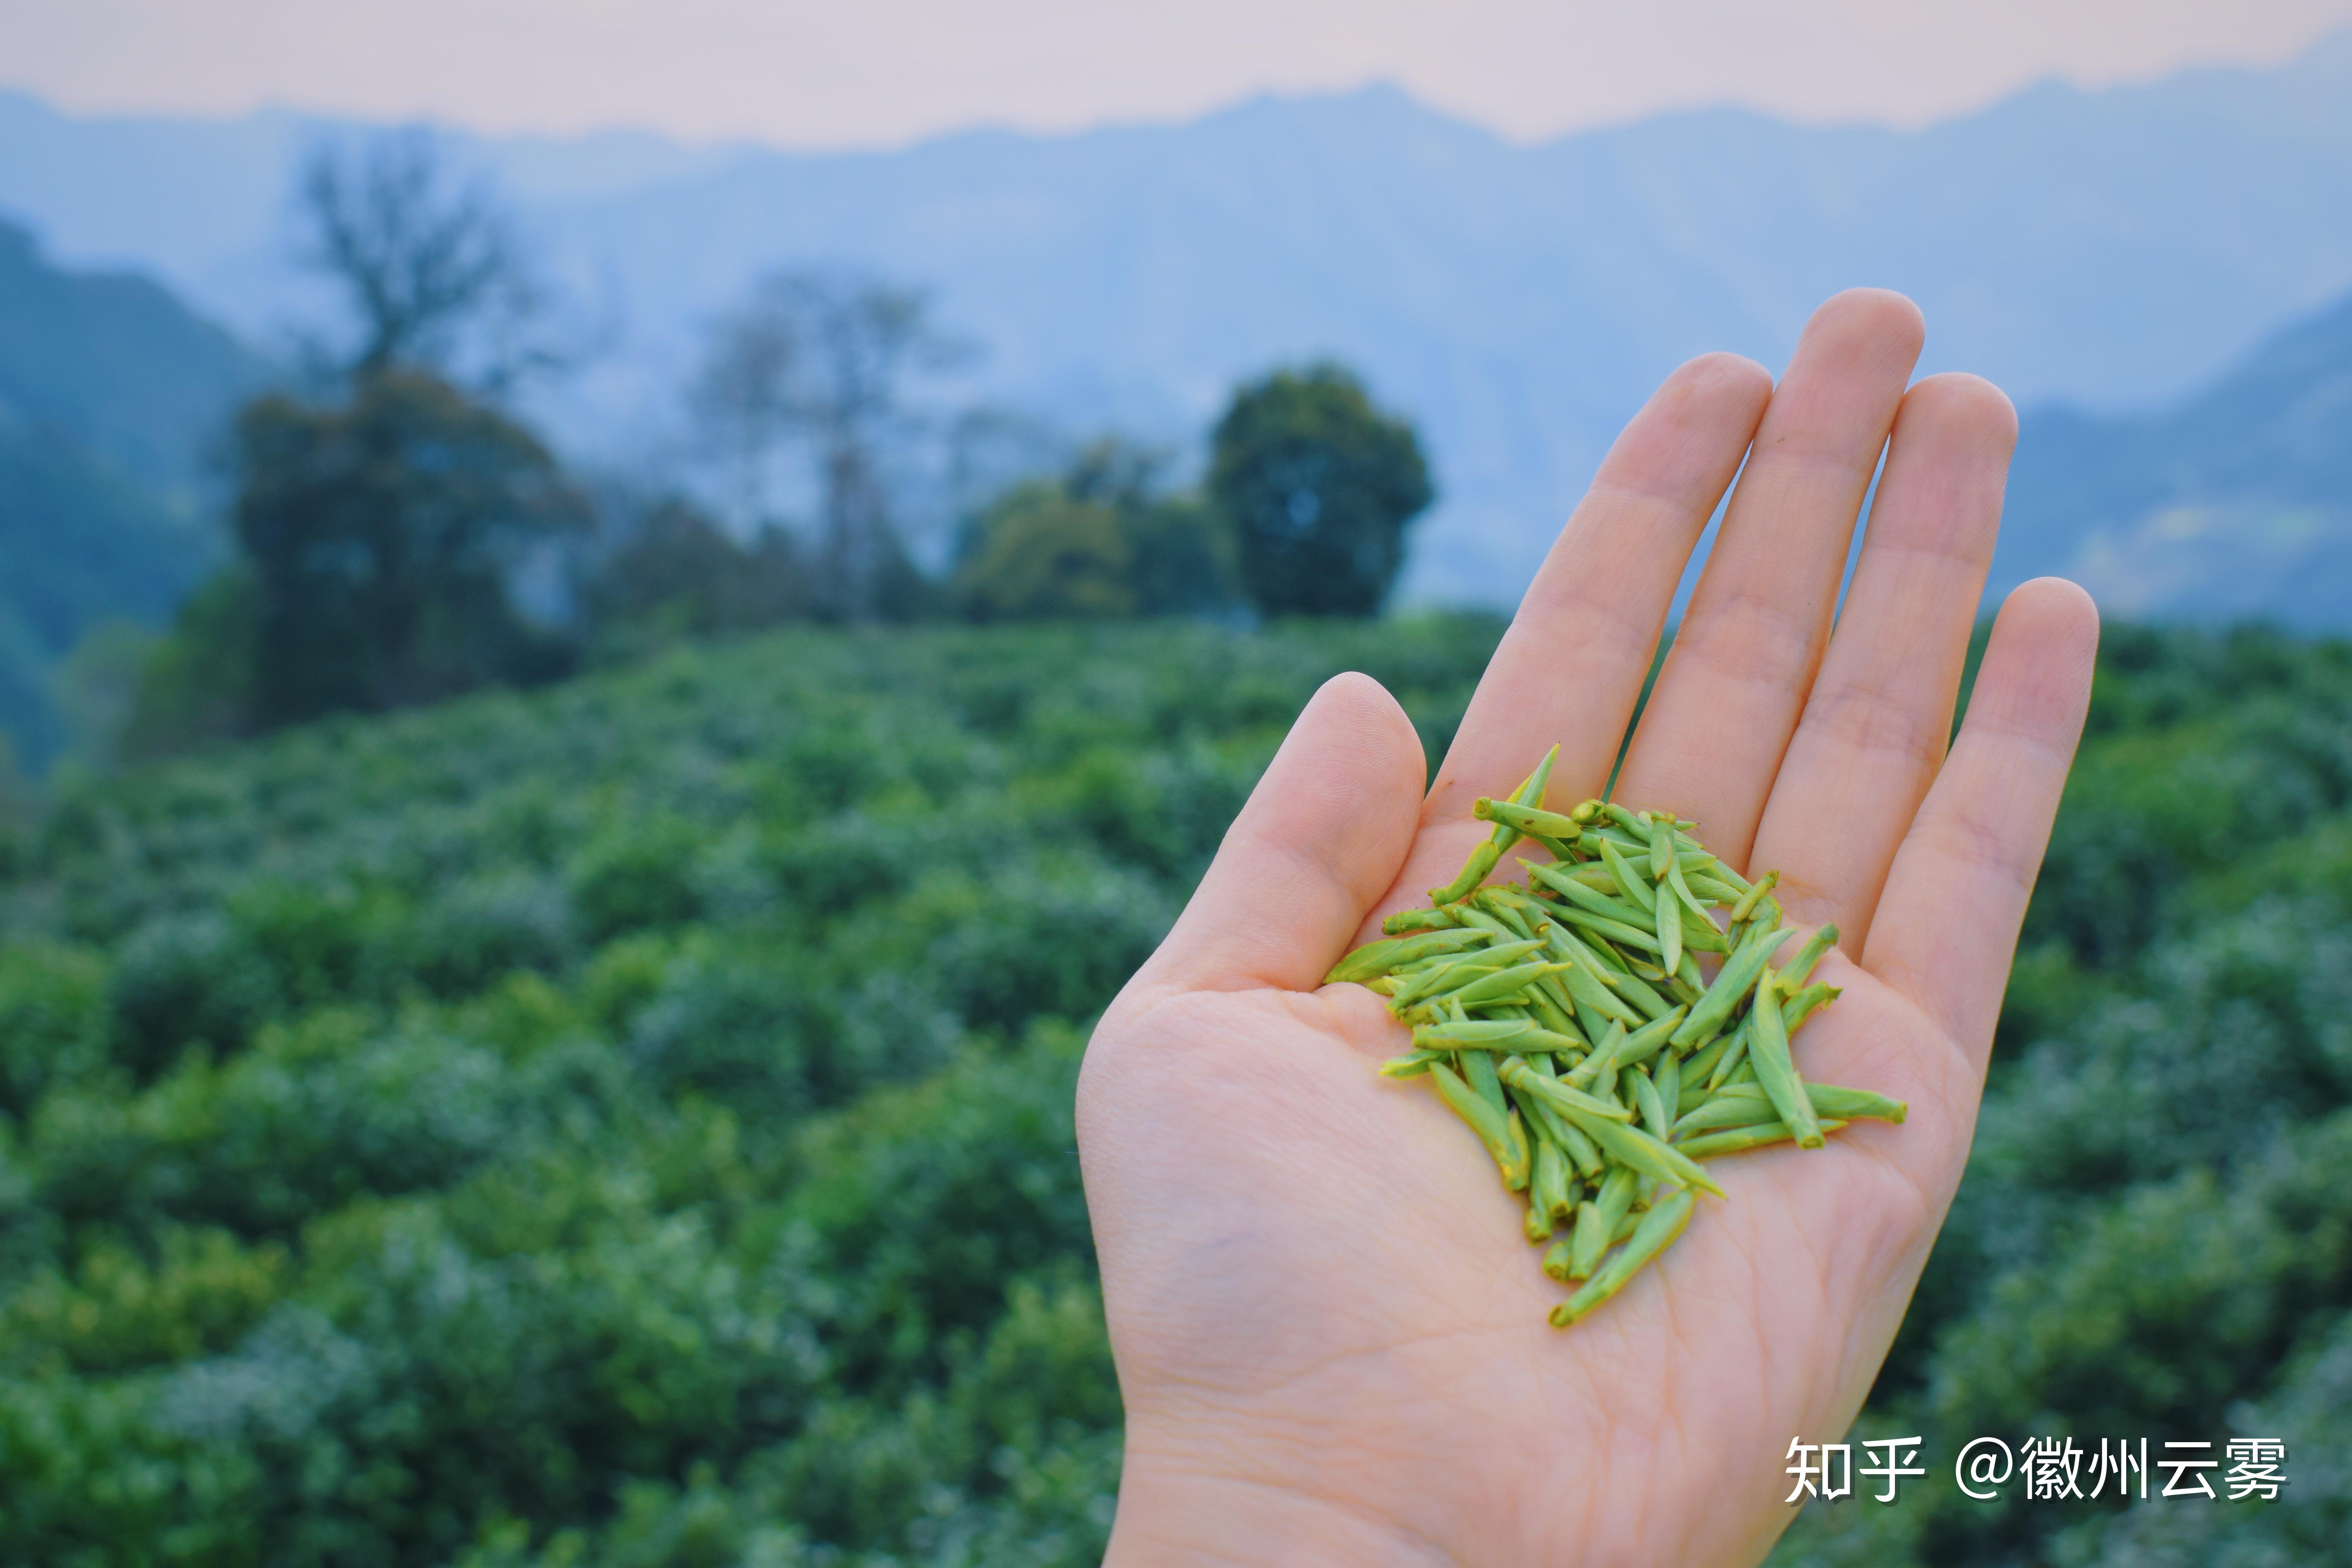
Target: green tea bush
(626, 1125)
(631, 1123)
(2154, 1239)
(53, 1020)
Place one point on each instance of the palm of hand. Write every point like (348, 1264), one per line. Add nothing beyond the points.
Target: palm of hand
(1330, 1326)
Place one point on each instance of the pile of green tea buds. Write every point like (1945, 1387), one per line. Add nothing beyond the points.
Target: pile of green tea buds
(1570, 1022)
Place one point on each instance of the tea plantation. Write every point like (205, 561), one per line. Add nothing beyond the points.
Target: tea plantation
(630, 1124)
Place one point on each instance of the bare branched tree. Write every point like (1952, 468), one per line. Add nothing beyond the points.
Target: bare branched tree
(991, 446)
(427, 258)
(742, 401)
(821, 361)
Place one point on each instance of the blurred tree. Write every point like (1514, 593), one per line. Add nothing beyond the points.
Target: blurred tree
(380, 536)
(742, 401)
(193, 688)
(822, 360)
(1102, 540)
(988, 448)
(1183, 557)
(1319, 487)
(677, 573)
(1180, 551)
(98, 688)
(429, 261)
(1040, 553)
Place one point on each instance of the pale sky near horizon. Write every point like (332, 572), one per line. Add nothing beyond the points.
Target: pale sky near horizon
(882, 72)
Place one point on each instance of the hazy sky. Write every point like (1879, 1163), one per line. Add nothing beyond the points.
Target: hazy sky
(863, 73)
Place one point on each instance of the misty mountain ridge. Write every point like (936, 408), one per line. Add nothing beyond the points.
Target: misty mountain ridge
(2112, 247)
(113, 396)
(2234, 502)
(114, 363)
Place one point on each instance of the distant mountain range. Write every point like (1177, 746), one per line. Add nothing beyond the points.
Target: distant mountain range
(2234, 501)
(113, 394)
(2111, 248)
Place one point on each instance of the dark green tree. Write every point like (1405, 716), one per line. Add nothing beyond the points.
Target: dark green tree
(195, 687)
(1040, 553)
(381, 527)
(1180, 551)
(1319, 487)
(382, 535)
(1104, 540)
(678, 573)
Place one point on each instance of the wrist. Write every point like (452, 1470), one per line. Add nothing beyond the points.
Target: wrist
(1185, 1508)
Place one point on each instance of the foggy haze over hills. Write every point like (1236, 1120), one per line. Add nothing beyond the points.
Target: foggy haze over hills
(2111, 249)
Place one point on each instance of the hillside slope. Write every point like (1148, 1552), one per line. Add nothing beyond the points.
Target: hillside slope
(535, 1105)
(2235, 501)
(114, 362)
(113, 396)
(631, 1123)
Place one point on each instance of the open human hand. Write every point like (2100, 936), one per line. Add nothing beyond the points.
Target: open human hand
(1329, 1328)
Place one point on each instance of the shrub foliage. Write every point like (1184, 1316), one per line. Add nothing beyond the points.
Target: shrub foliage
(630, 1123)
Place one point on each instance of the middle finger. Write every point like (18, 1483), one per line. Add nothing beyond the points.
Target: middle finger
(1570, 668)
(1875, 726)
(1728, 698)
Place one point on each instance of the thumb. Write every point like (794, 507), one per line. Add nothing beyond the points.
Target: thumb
(1323, 835)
